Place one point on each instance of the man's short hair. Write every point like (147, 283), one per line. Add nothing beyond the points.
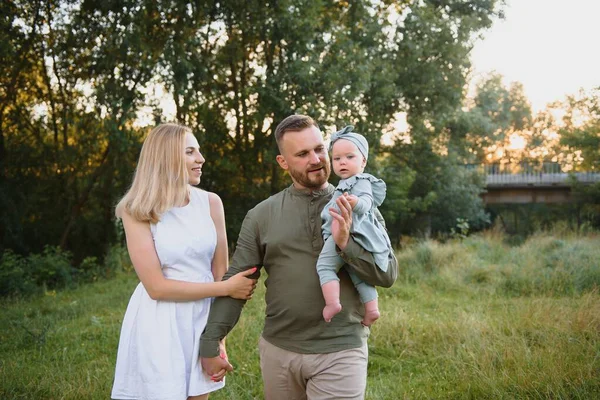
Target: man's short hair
(293, 123)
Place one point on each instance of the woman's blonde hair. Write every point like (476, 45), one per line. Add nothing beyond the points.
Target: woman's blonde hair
(161, 177)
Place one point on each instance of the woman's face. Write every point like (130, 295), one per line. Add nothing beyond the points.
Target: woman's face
(193, 159)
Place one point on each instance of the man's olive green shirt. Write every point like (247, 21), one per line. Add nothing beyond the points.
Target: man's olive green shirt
(283, 235)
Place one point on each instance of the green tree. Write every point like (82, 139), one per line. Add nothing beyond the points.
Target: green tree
(67, 113)
(482, 133)
(75, 74)
(580, 130)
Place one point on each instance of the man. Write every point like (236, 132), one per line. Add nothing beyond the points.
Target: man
(301, 355)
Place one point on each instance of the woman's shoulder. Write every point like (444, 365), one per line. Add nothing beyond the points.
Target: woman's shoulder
(213, 199)
(132, 224)
(204, 193)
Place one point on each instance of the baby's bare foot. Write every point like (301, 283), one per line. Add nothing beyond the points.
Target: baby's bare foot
(370, 317)
(331, 310)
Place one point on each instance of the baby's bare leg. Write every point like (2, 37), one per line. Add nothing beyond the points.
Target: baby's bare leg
(371, 312)
(331, 293)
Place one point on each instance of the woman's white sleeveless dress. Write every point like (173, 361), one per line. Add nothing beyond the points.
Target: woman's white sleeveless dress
(159, 344)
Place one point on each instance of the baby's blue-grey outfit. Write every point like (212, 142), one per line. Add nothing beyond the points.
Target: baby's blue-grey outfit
(366, 231)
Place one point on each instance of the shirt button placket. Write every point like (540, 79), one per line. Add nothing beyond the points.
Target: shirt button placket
(312, 220)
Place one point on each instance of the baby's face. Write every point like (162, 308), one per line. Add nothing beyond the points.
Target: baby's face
(347, 159)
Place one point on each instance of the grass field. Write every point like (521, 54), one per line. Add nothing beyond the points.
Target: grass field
(474, 319)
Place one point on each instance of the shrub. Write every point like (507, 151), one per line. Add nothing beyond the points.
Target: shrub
(117, 259)
(89, 270)
(51, 269)
(29, 275)
(15, 278)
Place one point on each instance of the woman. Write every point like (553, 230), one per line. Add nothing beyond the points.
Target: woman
(177, 243)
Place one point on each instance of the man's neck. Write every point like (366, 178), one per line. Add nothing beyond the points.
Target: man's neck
(304, 188)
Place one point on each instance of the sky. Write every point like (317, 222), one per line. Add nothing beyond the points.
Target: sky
(550, 46)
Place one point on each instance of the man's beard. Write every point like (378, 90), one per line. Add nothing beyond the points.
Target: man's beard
(312, 180)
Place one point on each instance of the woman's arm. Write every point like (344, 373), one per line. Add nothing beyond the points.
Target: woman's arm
(142, 252)
(220, 262)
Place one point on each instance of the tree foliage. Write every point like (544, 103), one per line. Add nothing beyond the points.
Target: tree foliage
(483, 132)
(77, 76)
(580, 130)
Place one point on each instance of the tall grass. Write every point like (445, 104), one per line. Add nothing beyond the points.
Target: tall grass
(467, 319)
(544, 265)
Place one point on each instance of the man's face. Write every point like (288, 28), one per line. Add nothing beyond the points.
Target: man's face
(304, 156)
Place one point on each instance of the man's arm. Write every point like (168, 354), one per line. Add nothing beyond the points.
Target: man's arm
(225, 311)
(360, 260)
(363, 264)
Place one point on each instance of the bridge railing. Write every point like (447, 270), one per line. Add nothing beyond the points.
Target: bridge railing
(520, 168)
(540, 178)
(546, 174)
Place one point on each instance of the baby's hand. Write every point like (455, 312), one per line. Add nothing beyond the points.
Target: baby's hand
(352, 199)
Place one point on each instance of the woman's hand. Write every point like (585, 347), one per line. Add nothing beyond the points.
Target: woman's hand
(240, 286)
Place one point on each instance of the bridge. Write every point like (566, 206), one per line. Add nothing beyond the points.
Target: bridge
(533, 187)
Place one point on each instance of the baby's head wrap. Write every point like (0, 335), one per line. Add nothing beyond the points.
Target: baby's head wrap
(356, 138)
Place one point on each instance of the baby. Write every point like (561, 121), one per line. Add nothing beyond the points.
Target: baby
(365, 192)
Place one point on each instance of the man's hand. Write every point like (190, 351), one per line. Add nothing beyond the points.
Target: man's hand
(340, 225)
(216, 367)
